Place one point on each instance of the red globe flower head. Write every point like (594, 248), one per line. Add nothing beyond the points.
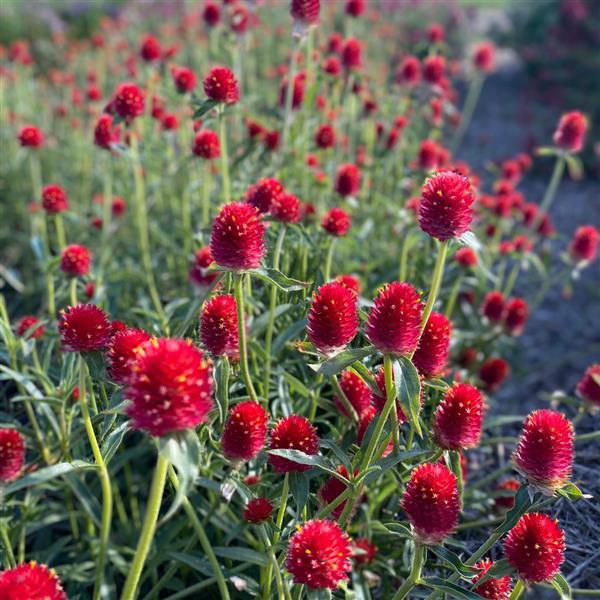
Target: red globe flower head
(505, 502)
(31, 136)
(522, 244)
(12, 454)
(395, 319)
(297, 91)
(495, 588)
(169, 122)
(445, 210)
(535, 547)
(435, 33)
(239, 19)
(545, 451)
(221, 85)
(494, 306)
(272, 139)
(351, 54)
(483, 57)
(571, 130)
(207, 144)
(331, 489)
(292, 433)
(84, 328)
(363, 424)
(325, 136)
(105, 133)
(336, 222)
(305, 11)
(212, 13)
(170, 387)
(363, 551)
(349, 281)
(245, 431)
(262, 194)
(428, 155)
(332, 320)
(378, 400)
(431, 502)
(517, 311)
(588, 387)
(184, 79)
(467, 357)
(255, 130)
(237, 239)
(355, 8)
(466, 257)
(129, 100)
(93, 93)
(409, 71)
(118, 207)
(493, 372)
(431, 355)
(286, 208)
(122, 352)
(199, 273)
(459, 417)
(75, 260)
(319, 555)
(356, 391)
(150, 49)
(347, 180)
(31, 581)
(54, 199)
(219, 327)
(584, 245)
(258, 510)
(28, 323)
(332, 66)
(434, 69)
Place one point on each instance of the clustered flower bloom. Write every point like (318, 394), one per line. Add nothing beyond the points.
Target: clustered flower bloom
(431, 355)
(206, 144)
(286, 208)
(571, 130)
(27, 323)
(105, 132)
(31, 581)
(263, 193)
(331, 489)
(517, 312)
(54, 199)
(245, 431)
(122, 351)
(336, 222)
(184, 79)
(12, 454)
(493, 372)
(258, 510)
(356, 391)
(199, 273)
(221, 85)
(31, 136)
(347, 181)
(75, 260)
(129, 100)
(84, 328)
(305, 11)
(292, 433)
(588, 387)
(584, 245)
(494, 588)
(363, 551)
(219, 327)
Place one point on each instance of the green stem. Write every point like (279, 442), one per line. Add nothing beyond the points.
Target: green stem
(281, 591)
(467, 112)
(329, 260)
(278, 525)
(436, 281)
(350, 410)
(10, 557)
(390, 391)
(557, 173)
(517, 590)
(289, 97)
(511, 279)
(73, 291)
(415, 573)
(224, 156)
(206, 194)
(60, 232)
(453, 296)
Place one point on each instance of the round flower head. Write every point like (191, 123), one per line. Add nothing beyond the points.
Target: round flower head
(459, 417)
(212, 13)
(356, 391)
(445, 210)
(221, 85)
(355, 8)
(31, 581)
(466, 257)
(434, 68)
(431, 502)
(150, 49)
(184, 79)
(75, 260)
(237, 240)
(207, 145)
(258, 510)
(535, 547)
(129, 100)
(12, 454)
(584, 245)
(347, 182)
(493, 372)
(493, 306)
(219, 327)
(319, 555)
(31, 136)
(351, 54)
(122, 351)
(298, 86)
(325, 136)
(105, 133)
(428, 155)
(395, 319)
(305, 11)
(363, 551)
(545, 451)
(332, 319)
(483, 57)
(336, 222)
(199, 273)
(571, 130)
(409, 71)
(245, 431)
(262, 194)
(517, 311)
(292, 433)
(54, 199)
(331, 489)
(286, 208)
(170, 387)
(588, 387)
(495, 588)
(432, 353)
(84, 328)
(349, 281)
(28, 323)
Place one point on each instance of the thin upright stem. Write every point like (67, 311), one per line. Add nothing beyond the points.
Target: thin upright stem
(557, 173)
(453, 296)
(224, 155)
(517, 590)
(289, 96)
(415, 573)
(467, 112)
(278, 525)
(329, 260)
(73, 291)
(60, 232)
(436, 281)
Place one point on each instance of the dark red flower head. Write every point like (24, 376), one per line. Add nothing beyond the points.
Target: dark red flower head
(31, 581)
(535, 547)
(122, 352)
(75, 260)
(219, 327)
(483, 57)
(27, 323)
(571, 130)
(170, 388)
(584, 245)
(493, 372)
(395, 319)
(350, 281)
(355, 8)
(357, 392)
(150, 48)
(435, 33)
(510, 486)
(258, 510)
(493, 306)
(245, 431)
(428, 155)
(212, 13)
(298, 86)
(237, 239)
(332, 319)
(545, 451)
(351, 54)
(331, 489)
(588, 387)
(517, 311)
(325, 136)
(262, 193)
(466, 257)
(431, 502)
(336, 222)
(129, 100)
(306, 11)
(31, 136)
(184, 79)
(286, 208)
(221, 85)
(347, 181)
(12, 454)
(434, 68)
(84, 328)
(432, 353)
(199, 273)
(319, 555)
(495, 588)
(445, 210)
(332, 66)
(459, 417)
(363, 551)
(409, 71)
(105, 133)
(54, 199)
(292, 433)
(207, 144)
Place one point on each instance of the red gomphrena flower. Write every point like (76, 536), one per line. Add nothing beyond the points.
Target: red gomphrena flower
(239, 19)
(184, 79)
(428, 155)
(199, 273)
(105, 133)
(75, 260)
(305, 11)
(170, 388)
(363, 424)
(221, 85)
(28, 323)
(347, 180)
(237, 239)
(571, 130)
(588, 387)
(332, 66)
(12, 454)
(351, 54)
(54, 199)
(325, 136)
(466, 257)
(395, 318)
(355, 8)
(271, 139)
(297, 91)
(31, 581)
(129, 100)
(494, 588)
(459, 417)
(378, 400)
(31, 136)
(432, 353)
(150, 49)
(122, 351)
(212, 13)
(493, 372)
(292, 433)
(493, 306)
(535, 547)
(522, 244)
(584, 245)
(206, 145)
(84, 328)
(262, 193)
(357, 392)
(517, 311)
(445, 210)
(467, 357)
(349, 281)
(245, 431)
(169, 122)
(545, 451)
(363, 551)
(319, 555)
(434, 69)
(336, 222)
(219, 327)
(331, 489)
(431, 502)
(286, 208)
(483, 57)
(258, 510)
(505, 502)
(435, 33)
(409, 71)
(332, 320)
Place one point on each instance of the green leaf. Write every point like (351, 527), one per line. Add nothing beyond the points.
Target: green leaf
(313, 460)
(221, 379)
(454, 561)
(408, 390)
(571, 492)
(394, 529)
(500, 568)
(522, 504)
(574, 166)
(260, 323)
(344, 359)
(339, 453)
(277, 278)
(299, 490)
(194, 562)
(203, 107)
(453, 590)
(547, 151)
(470, 239)
(113, 441)
(242, 555)
(47, 474)
(390, 461)
(561, 585)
